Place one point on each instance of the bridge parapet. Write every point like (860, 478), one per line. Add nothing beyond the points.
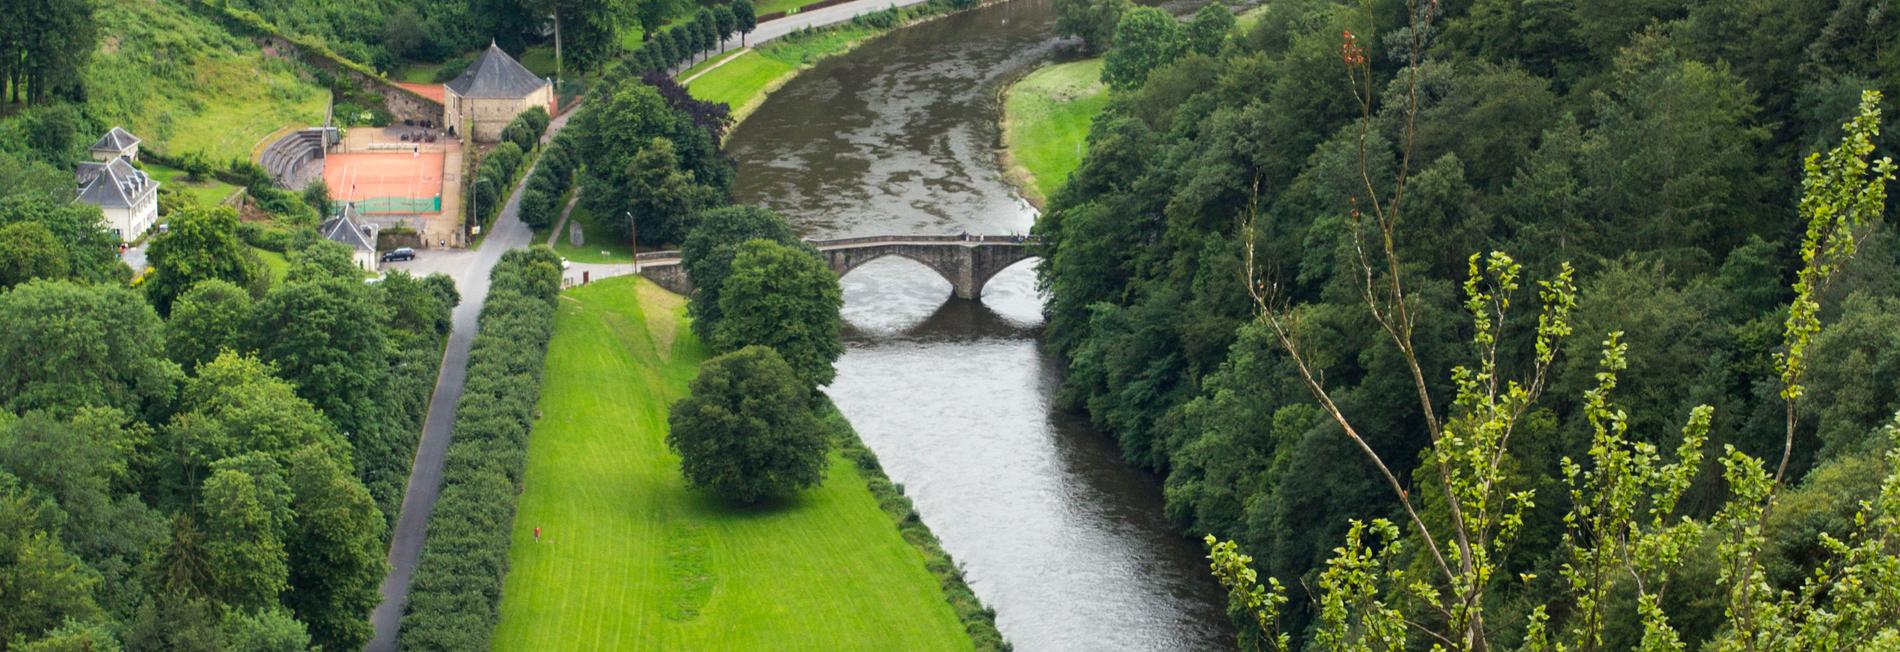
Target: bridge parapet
(966, 261)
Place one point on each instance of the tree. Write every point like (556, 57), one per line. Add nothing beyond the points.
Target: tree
(244, 518)
(1145, 39)
(724, 22)
(205, 320)
(336, 551)
(786, 298)
(662, 197)
(709, 248)
(92, 250)
(316, 194)
(47, 55)
(234, 406)
(28, 250)
(1208, 30)
(746, 430)
(745, 17)
(267, 630)
(1093, 21)
(64, 346)
(40, 582)
(203, 244)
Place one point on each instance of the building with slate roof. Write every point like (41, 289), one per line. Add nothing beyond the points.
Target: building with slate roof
(488, 95)
(360, 238)
(127, 197)
(116, 143)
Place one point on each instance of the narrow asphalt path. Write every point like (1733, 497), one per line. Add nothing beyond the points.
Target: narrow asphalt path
(425, 473)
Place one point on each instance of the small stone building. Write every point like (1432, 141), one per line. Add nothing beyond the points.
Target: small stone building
(127, 197)
(487, 96)
(116, 143)
(361, 239)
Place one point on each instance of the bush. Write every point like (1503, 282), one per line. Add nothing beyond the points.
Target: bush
(195, 166)
(454, 602)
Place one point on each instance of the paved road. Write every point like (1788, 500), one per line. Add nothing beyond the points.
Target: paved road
(470, 271)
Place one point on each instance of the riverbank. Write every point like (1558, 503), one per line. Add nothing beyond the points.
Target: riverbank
(748, 78)
(629, 558)
(1046, 117)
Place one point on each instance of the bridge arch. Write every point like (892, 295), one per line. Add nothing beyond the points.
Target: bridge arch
(968, 262)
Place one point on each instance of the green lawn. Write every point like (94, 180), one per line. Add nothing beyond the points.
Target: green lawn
(1046, 122)
(739, 82)
(206, 193)
(417, 72)
(769, 6)
(275, 263)
(631, 559)
(601, 246)
(178, 81)
(539, 60)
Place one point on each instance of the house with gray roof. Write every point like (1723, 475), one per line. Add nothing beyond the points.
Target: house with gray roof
(116, 143)
(127, 197)
(490, 93)
(360, 238)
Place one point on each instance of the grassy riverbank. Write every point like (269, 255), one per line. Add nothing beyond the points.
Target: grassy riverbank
(631, 559)
(1046, 118)
(745, 81)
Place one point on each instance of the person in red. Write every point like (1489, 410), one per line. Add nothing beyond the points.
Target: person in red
(537, 535)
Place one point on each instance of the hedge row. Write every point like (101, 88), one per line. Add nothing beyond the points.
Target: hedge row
(496, 174)
(455, 599)
(552, 178)
(978, 621)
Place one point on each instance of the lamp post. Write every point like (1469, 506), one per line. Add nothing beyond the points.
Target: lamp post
(634, 228)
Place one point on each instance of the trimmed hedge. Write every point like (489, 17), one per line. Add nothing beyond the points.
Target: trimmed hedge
(551, 180)
(978, 621)
(455, 599)
(498, 168)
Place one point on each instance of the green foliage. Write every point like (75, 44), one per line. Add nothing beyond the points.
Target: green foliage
(47, 46)
(28, 250)
(746, 431)
(1207, 31)
(1093, 21)
(616, 144)
(783, 297)
(709, 249)
(44, 583)
(457, 588)
(64, 346)
(39, 193)
(205, 320)
(202, 245)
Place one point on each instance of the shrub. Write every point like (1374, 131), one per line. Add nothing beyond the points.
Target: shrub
(747, 431)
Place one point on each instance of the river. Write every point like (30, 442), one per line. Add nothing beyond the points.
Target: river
(958, 399)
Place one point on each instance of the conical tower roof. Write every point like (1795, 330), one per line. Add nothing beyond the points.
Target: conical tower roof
(496, 75)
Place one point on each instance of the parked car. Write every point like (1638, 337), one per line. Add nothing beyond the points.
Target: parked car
(399, 253)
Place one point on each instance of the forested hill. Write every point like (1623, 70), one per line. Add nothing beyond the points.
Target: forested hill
(1655, 145)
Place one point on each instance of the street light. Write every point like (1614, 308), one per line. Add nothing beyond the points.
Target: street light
(634, 229)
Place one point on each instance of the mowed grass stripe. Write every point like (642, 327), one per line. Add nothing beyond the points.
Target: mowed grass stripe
(827, 571)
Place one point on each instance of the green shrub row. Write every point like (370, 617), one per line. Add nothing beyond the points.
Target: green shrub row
(978, 621)
(551, 180)
(455, 599)
(495, 176)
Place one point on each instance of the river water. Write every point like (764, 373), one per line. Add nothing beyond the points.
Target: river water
(1062, 538)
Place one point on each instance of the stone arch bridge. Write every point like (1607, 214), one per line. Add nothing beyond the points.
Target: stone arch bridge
(966, 261)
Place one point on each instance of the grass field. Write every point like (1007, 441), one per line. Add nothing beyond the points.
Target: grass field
(739, 82)
(275, 263)
(183, 84)
(1046, 119)
(206, 193)
(710, 62)
(633, 560)
(601, 246)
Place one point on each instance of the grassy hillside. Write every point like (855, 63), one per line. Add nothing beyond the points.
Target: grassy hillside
(184, 85)
(1046, 119)
(631, 559)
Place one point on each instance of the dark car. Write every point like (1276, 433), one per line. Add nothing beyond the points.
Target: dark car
(399, 253)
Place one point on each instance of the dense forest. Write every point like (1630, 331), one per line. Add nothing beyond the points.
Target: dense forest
(1238, 195)
(205, 457)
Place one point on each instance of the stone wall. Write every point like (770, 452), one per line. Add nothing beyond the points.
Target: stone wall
(402, 103)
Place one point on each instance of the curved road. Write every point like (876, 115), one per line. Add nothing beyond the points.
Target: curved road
(470, 270)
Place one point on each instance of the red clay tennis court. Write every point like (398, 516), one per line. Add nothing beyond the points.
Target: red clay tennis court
(386, 182)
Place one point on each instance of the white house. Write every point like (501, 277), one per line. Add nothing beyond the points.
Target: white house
(128, 198)
(361, 239)
(116, 143)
